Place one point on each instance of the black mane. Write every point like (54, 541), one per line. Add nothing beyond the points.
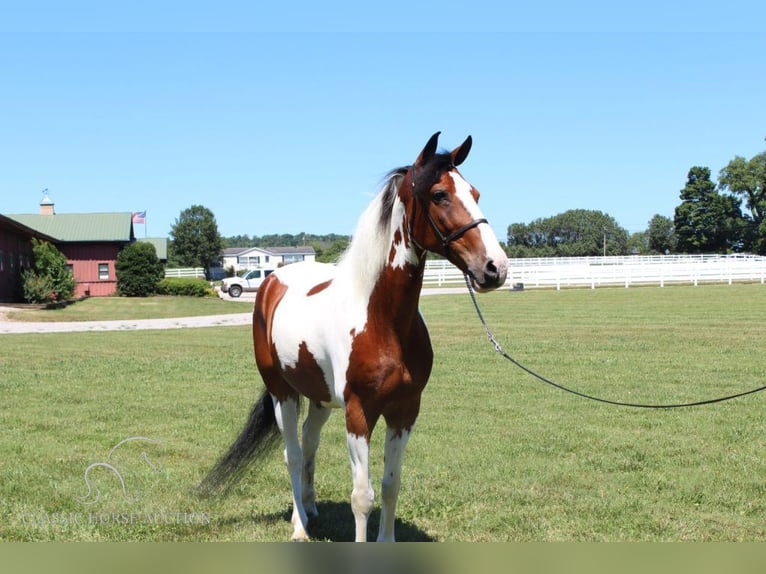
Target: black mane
(425, 177)
(393, 181)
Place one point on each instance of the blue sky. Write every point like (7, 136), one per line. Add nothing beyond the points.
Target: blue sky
(286, 123)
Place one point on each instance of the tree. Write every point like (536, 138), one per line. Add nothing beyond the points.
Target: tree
(138, 269)
(747, 179)
(285, 240)
(50, 278)
(661, 235)
(706, 221)
(574, 233)
(195, 241)
(332, 253)
(638, 243)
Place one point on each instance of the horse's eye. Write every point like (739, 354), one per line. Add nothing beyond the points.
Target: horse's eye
(440, 196)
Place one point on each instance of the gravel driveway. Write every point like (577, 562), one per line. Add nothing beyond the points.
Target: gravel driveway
(235, 319)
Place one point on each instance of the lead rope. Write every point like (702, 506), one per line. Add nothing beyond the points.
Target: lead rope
(499, 349)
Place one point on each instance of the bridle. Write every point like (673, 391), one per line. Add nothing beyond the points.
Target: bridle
(445, 240)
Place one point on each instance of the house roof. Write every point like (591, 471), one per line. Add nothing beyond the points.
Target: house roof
(83, 227)
(304, 250)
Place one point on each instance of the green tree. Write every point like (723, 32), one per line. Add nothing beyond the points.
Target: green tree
(138, 269)
(331, 253)
(50, 278)
(195, 241)
(574, 233)
(661, 235)
(638, 243)
(706, 221)
(746, 179)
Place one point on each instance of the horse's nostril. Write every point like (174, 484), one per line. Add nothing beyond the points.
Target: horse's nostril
(491, 269)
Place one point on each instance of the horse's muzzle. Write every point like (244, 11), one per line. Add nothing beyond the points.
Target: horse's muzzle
(491, 277)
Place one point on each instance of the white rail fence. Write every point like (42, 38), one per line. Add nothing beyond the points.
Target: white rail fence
(627, 271)
(196, 272)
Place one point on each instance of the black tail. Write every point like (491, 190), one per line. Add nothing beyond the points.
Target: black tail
(257, 438)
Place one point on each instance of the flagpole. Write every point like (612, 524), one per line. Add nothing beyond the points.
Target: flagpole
(145, 232)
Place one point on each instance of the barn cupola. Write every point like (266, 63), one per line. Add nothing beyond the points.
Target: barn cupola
(46, 204)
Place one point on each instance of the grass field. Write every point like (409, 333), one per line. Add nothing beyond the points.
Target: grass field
(118, 308)
(496, 456)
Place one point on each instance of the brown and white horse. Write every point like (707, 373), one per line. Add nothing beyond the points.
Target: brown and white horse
(350, 335)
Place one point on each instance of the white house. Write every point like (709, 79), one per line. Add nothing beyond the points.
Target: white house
(265, 257)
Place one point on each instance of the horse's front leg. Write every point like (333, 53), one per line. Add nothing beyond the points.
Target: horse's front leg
(396, 441)
(362, 495)
(359, 427)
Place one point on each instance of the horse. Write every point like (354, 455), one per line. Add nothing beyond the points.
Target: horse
(350, 336)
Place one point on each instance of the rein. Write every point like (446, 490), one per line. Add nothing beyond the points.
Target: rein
(501, 351)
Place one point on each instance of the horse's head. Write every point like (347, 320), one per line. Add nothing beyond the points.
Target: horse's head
(444, 216)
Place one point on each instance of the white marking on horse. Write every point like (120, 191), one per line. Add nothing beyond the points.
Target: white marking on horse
(403, 254)
(488, 237)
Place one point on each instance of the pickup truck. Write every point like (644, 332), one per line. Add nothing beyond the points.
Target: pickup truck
(245, 281)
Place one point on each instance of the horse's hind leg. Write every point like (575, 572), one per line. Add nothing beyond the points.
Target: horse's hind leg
(287, 419)
(312, 426)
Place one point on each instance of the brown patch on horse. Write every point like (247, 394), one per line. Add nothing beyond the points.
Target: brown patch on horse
(318, 288)
(397, 240)
(266, 300)
(307, 377)
(389, 364)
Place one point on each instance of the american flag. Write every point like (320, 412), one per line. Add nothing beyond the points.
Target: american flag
(139, 217)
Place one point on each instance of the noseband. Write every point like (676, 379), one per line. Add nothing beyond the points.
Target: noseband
(445, 240)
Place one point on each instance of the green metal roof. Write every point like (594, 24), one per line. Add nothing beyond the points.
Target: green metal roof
(81, 226)
(17, 225)
(160, 245)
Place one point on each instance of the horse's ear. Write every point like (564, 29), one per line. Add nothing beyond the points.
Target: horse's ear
(460, 153)
(429, 151)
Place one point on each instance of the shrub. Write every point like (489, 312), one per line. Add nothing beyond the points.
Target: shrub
(138, 270)
(186, 287)
(49, 279)
(37, 288)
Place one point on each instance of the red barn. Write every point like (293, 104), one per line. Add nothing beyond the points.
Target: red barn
(15, 255)
(89, 241)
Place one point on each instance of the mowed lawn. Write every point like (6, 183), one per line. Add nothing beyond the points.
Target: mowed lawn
(130, 308)
(495, 456)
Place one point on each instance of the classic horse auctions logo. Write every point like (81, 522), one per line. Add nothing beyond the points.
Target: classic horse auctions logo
(121, 474)
(93, 495)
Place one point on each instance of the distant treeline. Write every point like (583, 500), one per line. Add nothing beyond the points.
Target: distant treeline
(283, 240)
(328, 247)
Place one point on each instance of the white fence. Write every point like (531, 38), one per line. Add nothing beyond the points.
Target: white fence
(196, 272)
(627, 271)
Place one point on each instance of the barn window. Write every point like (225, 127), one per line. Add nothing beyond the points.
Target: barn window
(103, 271)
